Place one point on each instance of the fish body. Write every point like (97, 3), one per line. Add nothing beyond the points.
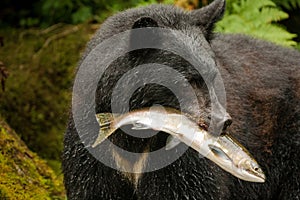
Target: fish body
(224, 150)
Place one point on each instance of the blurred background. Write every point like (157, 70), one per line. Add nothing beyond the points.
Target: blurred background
(40, 45)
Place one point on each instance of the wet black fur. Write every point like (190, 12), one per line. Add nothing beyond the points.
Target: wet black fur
(262, 83)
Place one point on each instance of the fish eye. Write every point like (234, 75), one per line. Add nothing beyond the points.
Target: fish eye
(254, 166)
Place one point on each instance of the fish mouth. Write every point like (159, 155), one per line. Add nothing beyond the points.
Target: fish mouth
(255, 178)
(261, 179)
(259, 176)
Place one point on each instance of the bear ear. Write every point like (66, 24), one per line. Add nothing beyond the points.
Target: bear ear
(142, 38)
(208, 16)
(144, 22)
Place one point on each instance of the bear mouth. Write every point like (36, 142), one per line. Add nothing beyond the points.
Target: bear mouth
(131, 140)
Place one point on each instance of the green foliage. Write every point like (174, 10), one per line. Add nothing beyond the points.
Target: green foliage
(168, 1)
(256, 18)
(148, 2)
(288, 4)
(145, 3)
(38, 89)
(298, 46)
(29, 21)
(48, 12)
(69, 11)
(83, 14)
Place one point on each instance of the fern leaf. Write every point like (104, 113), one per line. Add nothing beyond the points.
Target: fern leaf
(256, 18)
(288, 4)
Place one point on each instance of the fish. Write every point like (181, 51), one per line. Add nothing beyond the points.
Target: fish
(223, 150)
(242, 164)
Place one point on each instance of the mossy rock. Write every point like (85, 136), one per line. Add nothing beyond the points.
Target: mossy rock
(41, 64)
(23, 175)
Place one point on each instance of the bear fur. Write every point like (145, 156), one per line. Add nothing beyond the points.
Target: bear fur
(262, 83)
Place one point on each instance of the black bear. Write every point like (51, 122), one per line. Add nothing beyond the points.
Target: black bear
(262, 83)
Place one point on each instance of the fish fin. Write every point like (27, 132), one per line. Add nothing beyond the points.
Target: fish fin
(172, 142)
(104, 119)
(105, 122)
(139, 126)
(219, 152)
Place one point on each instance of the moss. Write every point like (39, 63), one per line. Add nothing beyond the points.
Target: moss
(41, 65)
(23, 175)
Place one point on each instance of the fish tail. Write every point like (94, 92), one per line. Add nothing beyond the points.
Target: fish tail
(105, 121)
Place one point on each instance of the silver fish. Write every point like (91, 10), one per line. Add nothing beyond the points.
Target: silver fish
(224, 150)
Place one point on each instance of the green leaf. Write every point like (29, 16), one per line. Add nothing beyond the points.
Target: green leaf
(256, 18)
(82, 14)
(288, 4)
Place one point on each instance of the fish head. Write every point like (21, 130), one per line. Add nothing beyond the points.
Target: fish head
(245, 168)
(251, 171)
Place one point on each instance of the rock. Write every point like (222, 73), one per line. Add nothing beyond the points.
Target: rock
(23, 175)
